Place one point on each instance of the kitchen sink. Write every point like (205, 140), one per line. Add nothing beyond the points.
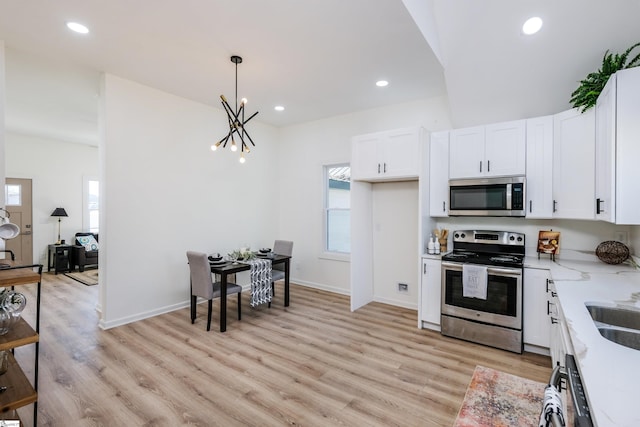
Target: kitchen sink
(625, 318)
(618, 325)
(625, 337)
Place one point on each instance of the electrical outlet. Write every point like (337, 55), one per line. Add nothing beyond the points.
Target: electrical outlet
(403, 287)
(622, 237)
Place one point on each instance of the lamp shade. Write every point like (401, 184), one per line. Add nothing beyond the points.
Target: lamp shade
(59, 212)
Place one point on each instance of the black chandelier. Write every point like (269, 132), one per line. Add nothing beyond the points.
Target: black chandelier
(236, 121)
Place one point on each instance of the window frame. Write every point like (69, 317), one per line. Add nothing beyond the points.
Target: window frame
(86, 212)
(326, 253)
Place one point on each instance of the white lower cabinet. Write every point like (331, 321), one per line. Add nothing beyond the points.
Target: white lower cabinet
(536, 328)
(430, 292)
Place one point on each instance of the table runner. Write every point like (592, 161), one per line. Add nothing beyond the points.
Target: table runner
(260, 281)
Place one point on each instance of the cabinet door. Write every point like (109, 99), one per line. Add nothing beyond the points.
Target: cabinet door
(431, 291)
(466, 153)
(439, 174)
(627, 145)
(536, 330)
(505, 149)
(398, 153)
(574, 164)
(539, 185)
(364, 156)
(605, 152)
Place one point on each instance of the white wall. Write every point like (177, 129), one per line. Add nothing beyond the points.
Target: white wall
(164, 192)
(2, 128)
(56, 169)
(575, 234)
(395, 240)
(304, 149)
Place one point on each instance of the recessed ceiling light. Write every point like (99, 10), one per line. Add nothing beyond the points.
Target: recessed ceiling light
(279, 108)
(382, 83)
(532, 25)
(78, 28)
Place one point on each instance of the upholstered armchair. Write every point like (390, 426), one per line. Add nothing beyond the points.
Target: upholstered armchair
(84, 251)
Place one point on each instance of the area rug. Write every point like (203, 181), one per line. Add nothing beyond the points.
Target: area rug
(88, 277)
(498, 399)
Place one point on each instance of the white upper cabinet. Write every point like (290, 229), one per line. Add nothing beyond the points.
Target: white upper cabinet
(493, 150)
(539, 185)
(574, 164)
(386, 156)
(618, 149)
(439, 174)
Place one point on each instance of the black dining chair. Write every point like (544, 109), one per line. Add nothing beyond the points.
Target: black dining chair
(203, 286)
(280, 247)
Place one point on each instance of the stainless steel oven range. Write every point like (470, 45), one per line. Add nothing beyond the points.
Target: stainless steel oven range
(482, 288)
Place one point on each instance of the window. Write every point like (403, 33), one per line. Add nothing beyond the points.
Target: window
(91, 199)
(13, 194)
(337, 208)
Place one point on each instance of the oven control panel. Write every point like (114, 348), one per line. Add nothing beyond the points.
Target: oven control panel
(489, 237)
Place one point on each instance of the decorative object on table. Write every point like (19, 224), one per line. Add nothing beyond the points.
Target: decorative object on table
(496, 398)
(260, 281)
(59, 213)
(549, 243)
(11, 306)
(237, 122)
(242, 254)
(612, 252)
(8, 230)
(585, 96)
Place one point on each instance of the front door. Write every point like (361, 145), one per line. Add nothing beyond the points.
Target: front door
(18, 204)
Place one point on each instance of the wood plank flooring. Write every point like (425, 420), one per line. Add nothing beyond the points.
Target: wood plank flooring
(314, 363)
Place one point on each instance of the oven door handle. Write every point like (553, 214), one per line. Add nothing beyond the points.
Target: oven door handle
(504, 271)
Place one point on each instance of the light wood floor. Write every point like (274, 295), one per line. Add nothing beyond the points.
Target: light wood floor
(312, 364)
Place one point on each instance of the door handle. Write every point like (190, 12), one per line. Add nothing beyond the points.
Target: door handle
(26, 233)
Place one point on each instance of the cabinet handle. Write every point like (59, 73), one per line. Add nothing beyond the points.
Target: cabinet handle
(554, 320)
(444, 208)
(554, 294)
(547, 285)
(378, 167)
(530, 206)
(385, 167)
(599, 203)
(424, 268)
(554, 205)
(480, 166)
(549, 308)
(488, 165)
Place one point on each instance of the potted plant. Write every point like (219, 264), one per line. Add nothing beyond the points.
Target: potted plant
(585, 96)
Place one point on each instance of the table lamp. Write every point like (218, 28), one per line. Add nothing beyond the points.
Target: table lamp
(59, 212)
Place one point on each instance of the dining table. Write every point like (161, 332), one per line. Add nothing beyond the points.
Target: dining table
(224, 270)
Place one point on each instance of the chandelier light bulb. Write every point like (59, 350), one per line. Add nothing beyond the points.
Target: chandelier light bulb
(234, 147)
(242, 159)
(243, 101)
(214, 147)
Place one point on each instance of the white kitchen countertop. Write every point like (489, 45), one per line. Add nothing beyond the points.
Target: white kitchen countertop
(610, 372)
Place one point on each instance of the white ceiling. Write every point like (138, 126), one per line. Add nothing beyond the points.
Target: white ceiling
(318, 58)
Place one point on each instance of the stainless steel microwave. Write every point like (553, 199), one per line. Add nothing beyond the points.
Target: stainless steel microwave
(504, 196)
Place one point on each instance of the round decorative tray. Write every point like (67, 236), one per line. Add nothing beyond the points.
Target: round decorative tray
(612, 252)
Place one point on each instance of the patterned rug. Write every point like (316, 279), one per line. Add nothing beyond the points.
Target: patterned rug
(498, 399)
(88, 277)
